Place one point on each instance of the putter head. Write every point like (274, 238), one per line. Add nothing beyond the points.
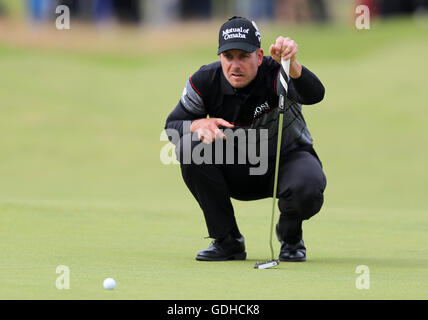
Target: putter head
(266, 264)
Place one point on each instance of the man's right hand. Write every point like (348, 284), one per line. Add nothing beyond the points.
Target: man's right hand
(208, 129)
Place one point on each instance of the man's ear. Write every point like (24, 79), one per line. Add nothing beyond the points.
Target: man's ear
(260, 54)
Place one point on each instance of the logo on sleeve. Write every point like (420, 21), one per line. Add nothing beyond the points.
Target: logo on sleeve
(257, 32)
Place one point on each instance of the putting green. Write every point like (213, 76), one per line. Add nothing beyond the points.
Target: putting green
(82, 184)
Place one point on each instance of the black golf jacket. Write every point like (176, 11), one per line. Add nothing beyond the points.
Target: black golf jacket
(208, 93)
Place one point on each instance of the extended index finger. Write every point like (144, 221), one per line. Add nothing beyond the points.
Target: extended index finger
(224, 123)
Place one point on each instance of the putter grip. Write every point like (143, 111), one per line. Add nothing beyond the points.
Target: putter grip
(284, 77)
(286, 65)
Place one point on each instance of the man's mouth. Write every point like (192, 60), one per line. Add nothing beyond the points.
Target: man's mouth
(237, 75)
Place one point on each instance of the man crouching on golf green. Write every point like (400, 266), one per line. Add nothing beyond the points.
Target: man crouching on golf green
(239, 93)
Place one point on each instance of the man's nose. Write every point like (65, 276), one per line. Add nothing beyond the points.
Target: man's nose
(236, 63)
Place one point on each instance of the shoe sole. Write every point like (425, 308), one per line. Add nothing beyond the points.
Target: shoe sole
(237, 256)
(293, 260)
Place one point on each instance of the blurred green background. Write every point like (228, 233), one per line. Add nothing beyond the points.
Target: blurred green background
(82, 184)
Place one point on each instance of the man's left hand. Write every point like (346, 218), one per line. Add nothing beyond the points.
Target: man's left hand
(287, 48)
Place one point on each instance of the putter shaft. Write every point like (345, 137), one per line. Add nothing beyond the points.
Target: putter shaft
(275, 183)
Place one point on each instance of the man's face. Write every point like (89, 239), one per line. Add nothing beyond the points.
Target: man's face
(240, 67)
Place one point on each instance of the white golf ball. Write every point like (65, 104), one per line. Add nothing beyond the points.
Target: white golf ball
(109, 284)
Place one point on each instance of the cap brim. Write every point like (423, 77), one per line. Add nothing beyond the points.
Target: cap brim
(237, 46)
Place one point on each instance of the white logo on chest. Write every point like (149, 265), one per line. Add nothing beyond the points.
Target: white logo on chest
(261, 109)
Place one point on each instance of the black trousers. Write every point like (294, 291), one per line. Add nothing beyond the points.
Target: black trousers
(301, 183)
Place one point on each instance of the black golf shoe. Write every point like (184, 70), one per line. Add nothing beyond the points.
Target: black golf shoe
(292, 252)
(228, 248)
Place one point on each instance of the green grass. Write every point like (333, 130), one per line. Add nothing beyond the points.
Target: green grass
(81, 183)
(14, 8)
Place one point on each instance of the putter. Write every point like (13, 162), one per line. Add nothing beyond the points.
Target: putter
(284, 76)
